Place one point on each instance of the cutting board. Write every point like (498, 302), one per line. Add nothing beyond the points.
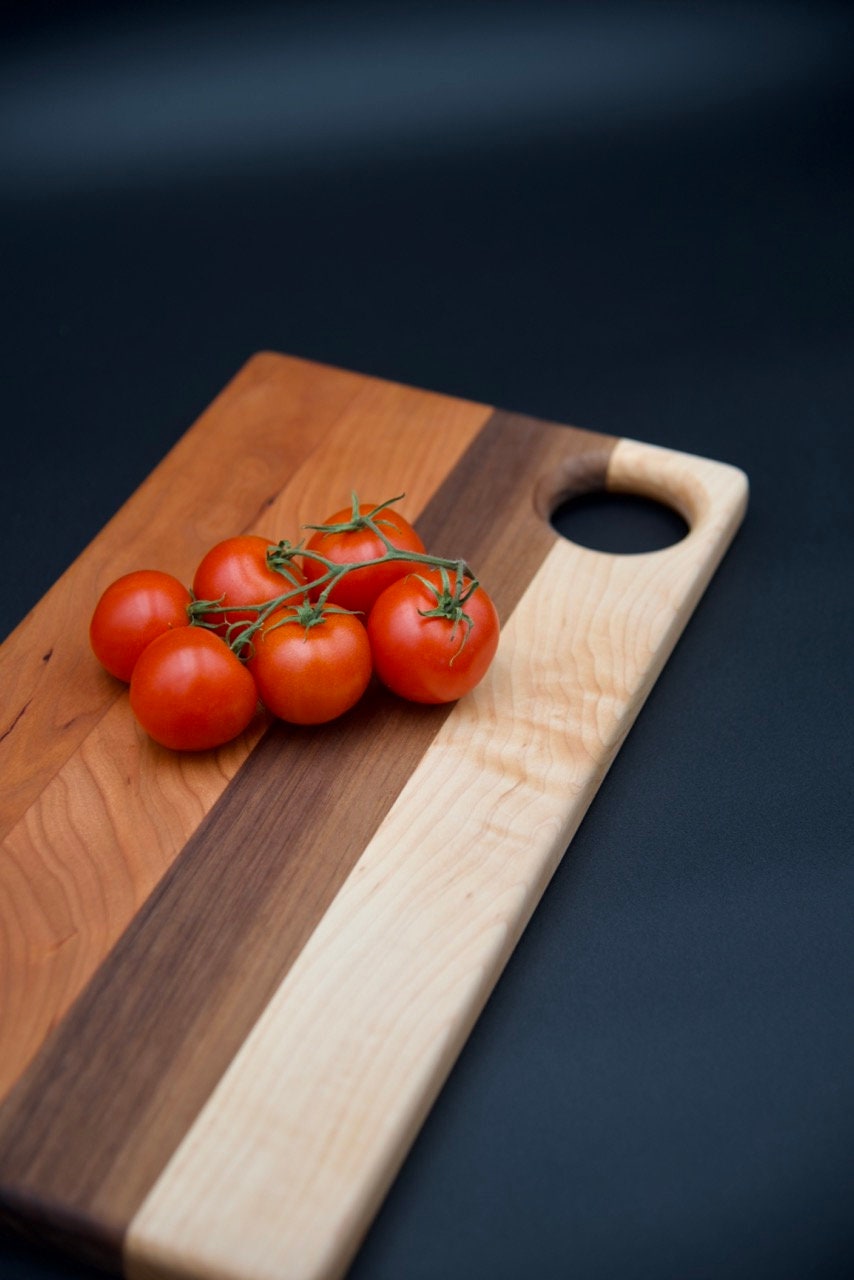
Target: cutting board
(233, 983)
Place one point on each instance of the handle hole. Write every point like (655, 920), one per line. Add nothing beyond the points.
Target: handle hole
(618, 523)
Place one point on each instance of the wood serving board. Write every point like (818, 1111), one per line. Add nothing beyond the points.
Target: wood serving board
(231, 984)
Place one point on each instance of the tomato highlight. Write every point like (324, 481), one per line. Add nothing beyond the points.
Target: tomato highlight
(235, 572)
(350, 537)
(310, 670)
(190, 692)
(433, 641)
(134, 610)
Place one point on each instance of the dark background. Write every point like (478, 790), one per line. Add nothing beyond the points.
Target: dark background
(636, 218)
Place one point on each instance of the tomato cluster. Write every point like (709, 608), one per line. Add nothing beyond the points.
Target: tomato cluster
(301, 630)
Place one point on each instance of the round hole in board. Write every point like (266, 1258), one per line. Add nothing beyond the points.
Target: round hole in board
(618, 523)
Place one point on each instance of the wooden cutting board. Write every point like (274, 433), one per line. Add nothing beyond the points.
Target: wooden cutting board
(232, 984)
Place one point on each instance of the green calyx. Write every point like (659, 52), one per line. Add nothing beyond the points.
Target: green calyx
(451, 600)
(281, 557)
(307, 615)
(360, 520)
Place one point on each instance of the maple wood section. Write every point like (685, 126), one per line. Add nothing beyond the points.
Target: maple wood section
(96, 812)
(98, 1114)
(288, 1160)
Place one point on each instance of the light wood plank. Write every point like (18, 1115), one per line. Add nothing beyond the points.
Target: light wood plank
(286, 1164)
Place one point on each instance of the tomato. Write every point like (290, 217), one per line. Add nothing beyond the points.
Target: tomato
(132, 612)
(359, 589)
(311, 674)
(434, 659)
(235, 572)
(190, 692)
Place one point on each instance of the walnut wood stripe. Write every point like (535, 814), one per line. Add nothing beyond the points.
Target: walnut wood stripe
(100, 1111)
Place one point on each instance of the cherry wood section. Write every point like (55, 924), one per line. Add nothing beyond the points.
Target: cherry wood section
(217, 480)
(105, 810)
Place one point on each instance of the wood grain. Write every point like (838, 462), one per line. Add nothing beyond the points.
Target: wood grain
(116, 809)
(161, 1019)
(289, 1159)
(231, 984)
(211, 484)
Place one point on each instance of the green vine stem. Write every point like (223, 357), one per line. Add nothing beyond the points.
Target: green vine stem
(450, 600)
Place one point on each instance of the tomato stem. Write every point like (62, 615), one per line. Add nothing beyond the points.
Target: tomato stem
(359, 519)
(449, 600)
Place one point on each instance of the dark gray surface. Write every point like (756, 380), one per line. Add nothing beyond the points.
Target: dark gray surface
(637, 219)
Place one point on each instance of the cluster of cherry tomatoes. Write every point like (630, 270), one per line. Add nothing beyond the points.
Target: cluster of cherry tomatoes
(301, 630)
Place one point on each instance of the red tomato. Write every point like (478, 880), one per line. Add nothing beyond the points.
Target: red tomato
(431, 659)
(310, 675)
(359, 589)
(235, 571)
(132, 612)
(190, 692)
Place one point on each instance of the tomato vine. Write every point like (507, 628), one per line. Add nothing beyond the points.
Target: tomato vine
(360, 595)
